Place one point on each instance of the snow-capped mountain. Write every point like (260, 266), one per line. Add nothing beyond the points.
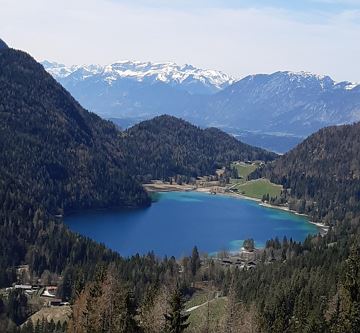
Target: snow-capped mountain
(187, 77)
(272, 104)
(297, 103)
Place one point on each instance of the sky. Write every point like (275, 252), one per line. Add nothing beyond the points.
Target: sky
(239, 37)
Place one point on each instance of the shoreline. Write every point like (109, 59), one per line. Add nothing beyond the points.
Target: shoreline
(323, 228)
(161, 187)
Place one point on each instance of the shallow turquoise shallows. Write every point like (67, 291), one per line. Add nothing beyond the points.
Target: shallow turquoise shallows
(179, 220)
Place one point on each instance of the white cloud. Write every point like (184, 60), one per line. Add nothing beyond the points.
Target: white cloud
(238, 41)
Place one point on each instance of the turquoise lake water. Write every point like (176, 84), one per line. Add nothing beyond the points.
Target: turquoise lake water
(179, 220)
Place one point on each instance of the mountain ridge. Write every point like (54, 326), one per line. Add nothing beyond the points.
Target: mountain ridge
(297, 103)
(57, 158)
(167, 146)
(75, 151)
(72, 150)
(294, 103)
(322, 174)
(185, 77)
(3, 45)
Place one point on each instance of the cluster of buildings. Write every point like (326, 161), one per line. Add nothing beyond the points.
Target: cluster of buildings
(237, 262)
(46, 293)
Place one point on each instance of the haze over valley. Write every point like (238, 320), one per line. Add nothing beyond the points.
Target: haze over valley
(274, 111)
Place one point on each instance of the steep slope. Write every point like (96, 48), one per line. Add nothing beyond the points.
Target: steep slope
(61, 157)
(54, 153)
(57, 157)
(3, 45)
(166, 146)
(323, 174)
(296, 103)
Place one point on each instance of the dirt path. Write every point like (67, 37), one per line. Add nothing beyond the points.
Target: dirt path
(203, 304)
(196, 307)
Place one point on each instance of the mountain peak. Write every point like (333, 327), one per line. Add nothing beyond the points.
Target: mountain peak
(3, 45)
(305, 74)
(282, 81)
(187, 77)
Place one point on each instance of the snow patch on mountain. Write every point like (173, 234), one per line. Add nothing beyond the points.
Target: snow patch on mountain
(3, 45)
(298, 103)
(187, 77)
(351, 86)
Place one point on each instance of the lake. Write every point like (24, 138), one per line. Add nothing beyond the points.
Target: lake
(179, 220)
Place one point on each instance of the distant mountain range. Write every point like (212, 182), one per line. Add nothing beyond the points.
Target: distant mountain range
(45, 132)
(283, 106)
(286, 102)
(187, 78)
(57, 158)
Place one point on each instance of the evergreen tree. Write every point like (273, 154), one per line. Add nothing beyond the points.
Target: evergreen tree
(195, 261)
(350, 292)
(17, 306)
(176, 320)
(28, 327)
(153, 307)
(249, 244)
(230, 320)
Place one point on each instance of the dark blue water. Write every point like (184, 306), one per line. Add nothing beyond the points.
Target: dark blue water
(180, 220)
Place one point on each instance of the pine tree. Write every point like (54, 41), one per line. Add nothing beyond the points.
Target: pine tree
(350, 293)
(37, 327)
(28, 327)
(230, 318)
(129, 323)
(176, 320)
(195, 261)
(17, 306)
(152, 308)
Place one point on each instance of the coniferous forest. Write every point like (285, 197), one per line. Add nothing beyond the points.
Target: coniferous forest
(322, 174)
(57, 158)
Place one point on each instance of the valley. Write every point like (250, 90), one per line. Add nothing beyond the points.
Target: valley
(108, 229)
(273, 111)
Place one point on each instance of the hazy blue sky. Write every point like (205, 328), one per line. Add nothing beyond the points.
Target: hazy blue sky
(239, 37)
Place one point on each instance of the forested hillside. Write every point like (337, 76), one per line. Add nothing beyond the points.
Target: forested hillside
(55, 158)
(54, 153)
(61, 157)
(316, 287)
(322, 174)
(166, 146)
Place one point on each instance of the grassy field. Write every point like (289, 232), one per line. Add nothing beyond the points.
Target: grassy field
(257, 188)
(56, 313)
(198, 317)
(244, 169)
(198, 298)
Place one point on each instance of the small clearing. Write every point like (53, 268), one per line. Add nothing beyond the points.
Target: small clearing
(55, 313)
(257, 188)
